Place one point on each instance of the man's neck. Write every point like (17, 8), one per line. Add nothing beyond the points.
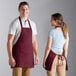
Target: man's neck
(23, 18)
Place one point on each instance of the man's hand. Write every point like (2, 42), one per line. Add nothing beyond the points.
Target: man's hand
(12, 62)
(36, 60)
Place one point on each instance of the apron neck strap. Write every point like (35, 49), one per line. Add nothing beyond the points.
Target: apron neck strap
(29, 23)
(21, 22)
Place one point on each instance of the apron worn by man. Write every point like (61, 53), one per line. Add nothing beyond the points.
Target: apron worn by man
(23, 50)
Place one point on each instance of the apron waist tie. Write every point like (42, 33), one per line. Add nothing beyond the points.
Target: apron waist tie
(60, 59)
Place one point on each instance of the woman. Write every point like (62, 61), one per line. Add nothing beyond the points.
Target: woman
(57, 47)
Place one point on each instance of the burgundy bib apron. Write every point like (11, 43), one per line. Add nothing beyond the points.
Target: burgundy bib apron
(50, 59)
(23, 50)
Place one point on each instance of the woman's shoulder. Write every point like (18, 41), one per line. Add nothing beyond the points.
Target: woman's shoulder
(52, 30)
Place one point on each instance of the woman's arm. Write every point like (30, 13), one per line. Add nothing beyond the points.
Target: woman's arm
(48, 47)
(35, 47)
(66, 46)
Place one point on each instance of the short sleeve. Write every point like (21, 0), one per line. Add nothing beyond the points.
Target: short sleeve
(34, 29)
(51, 34)
(12, 28)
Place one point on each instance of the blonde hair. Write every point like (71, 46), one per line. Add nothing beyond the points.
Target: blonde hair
(65, 29)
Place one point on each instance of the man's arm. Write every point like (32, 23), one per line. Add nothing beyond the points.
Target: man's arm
(9, 49)
(9, 45)
(35, 48)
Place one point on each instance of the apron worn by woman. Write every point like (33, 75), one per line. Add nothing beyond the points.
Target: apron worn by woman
(23, 50)
(50, 59)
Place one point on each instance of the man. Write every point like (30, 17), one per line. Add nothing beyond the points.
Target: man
(22, 43)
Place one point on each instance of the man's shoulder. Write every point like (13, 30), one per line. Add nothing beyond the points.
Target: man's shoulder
(32, 22)
(15, 21)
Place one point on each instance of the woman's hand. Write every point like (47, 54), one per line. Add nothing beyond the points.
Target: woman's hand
(12, 62)
(36, 60)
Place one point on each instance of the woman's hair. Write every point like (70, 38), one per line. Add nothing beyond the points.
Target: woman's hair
(59, 18)
(23, 3)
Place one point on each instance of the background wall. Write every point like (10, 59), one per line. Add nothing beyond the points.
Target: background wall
(40, 12)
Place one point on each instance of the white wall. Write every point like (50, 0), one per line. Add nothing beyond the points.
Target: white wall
(40, 12)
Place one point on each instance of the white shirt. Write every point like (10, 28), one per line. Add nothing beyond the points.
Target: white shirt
(15, 28)
(58, 40)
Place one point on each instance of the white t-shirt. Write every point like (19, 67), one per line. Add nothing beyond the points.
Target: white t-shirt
(15, 28)
(58, 40)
